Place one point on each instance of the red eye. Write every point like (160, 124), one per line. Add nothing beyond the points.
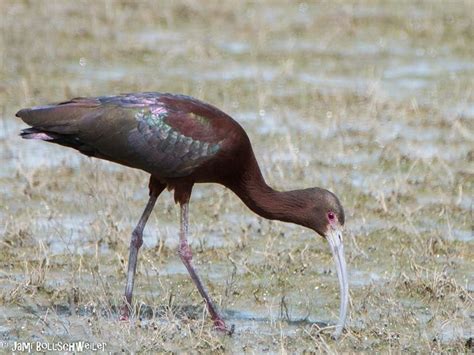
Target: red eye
(331, 216)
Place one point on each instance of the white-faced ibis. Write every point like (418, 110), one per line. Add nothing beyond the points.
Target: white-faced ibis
(181, 141)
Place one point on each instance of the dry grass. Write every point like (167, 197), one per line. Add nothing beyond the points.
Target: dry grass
(371, 100)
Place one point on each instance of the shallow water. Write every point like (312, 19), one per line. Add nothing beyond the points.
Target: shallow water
(374, 102)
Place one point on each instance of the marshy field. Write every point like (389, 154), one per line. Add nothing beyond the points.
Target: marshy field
(373, 100)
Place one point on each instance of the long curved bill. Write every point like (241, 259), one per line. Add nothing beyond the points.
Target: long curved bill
(334, 237)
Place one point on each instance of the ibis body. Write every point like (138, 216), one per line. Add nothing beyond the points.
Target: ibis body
(181, 141)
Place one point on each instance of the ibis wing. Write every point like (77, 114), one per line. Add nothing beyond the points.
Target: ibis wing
(153, 132)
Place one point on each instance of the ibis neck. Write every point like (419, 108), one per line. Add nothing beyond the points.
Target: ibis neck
(287, 206)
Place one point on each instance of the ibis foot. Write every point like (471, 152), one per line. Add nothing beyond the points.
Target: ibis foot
(124, 313)
(220, 326)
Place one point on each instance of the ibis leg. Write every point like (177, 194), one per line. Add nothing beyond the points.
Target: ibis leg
(186, 256)
(135, 244)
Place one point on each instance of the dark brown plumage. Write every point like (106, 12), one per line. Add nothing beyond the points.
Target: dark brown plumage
(181, 141)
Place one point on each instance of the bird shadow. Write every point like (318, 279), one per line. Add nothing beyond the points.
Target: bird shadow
(251, 317)
(145, 312)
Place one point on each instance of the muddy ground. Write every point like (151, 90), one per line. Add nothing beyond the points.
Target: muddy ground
(373, 100)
